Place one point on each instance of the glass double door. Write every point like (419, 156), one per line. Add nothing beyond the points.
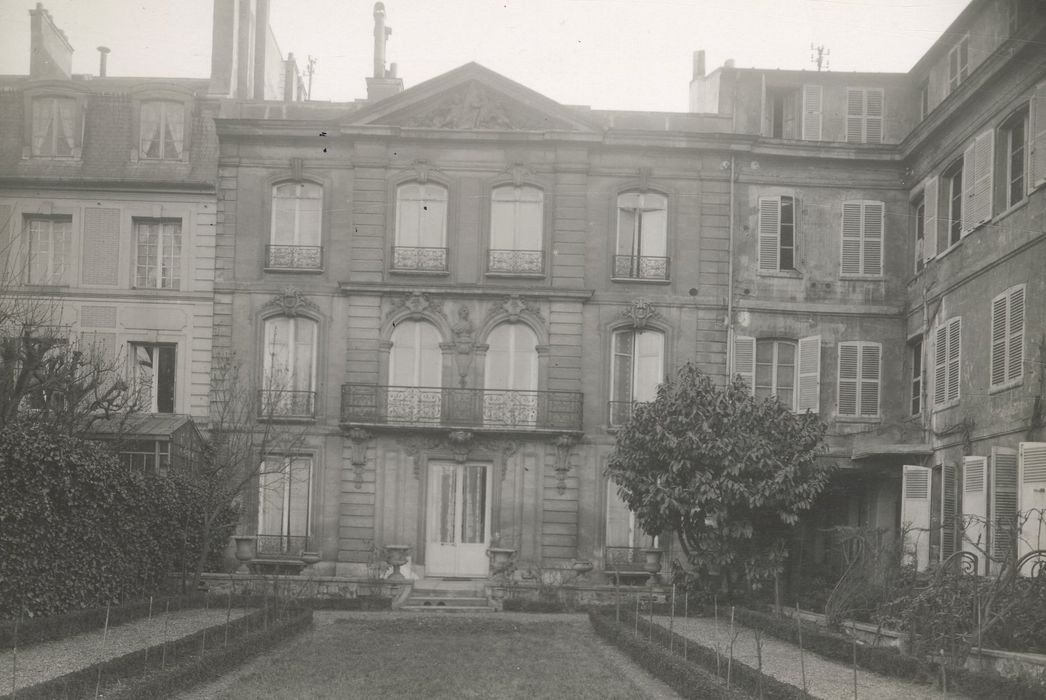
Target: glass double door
(458, 520)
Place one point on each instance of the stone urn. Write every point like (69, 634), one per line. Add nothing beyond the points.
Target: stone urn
(396, 556)
(500, 558)
(652, 565)
(582, 566)
(245, 549)
(310, 558)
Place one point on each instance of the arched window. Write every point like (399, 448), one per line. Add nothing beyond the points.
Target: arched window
(516, 230)
(297, 210)
(642, 227)
(289, 383)
(415, 374)
(637, 368)
(510, 383)
(421, 228)
(55, 127)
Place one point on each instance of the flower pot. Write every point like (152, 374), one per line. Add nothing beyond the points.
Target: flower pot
(310, 558)
(652, 565)
(500, 558)
(396, 556)
(245, 549)
(582, 567)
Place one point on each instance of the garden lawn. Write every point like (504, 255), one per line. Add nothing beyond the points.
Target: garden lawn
(395, 655)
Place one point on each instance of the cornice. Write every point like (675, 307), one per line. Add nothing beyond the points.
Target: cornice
(108, 184)
(465, 291)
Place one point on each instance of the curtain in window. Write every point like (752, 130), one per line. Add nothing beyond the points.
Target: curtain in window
(448, 486)
(512, 364)
(296, 210)
(151, 124)
(516, 218)
(290, 345)
(421, 216)
(284, 497)
(415, 361)
(474, 504)
(638, 365)
(174, 131)
(642, 224)
(43, 118)
(53, 132)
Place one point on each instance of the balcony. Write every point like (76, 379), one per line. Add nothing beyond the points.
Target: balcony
(293, 257)
(413, 259)
(640, 267)
(436, 407)
(516, 262)
(277, 403)
(281, 546)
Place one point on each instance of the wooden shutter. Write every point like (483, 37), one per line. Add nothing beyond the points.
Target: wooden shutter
(849, 362)
(940, 366)
(947, 511)
(850, 260)
(872, 238)
(873, 127)
(915, 515)
(854, 115)
(871, 354)
(1015, 341)
(811, 112)
(744, 360)
(809, 374)
(968, 165)
(975, 509)
(7, 239)
(980, 203)
(999, 335)
(1037, 138)
(1031, 471)
(1003, 499)
(101, 246)
(954, 358)
(930, 221)
(769, 233)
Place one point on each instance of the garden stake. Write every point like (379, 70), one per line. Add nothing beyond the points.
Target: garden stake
(730, 661)
(617, 600)
(105, 635)
(718, 662)
(853, 634)
(651, 635)
(166, 618)
(759, 659)
(14, 656)
(228, 615)
(637, 614)
(203, 638)
(802, 659)
(671, 623)
(686, 614)
(944, 680)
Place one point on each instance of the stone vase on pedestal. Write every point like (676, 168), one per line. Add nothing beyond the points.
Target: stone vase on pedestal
(245, 550)
(652, 565)
(396, 556)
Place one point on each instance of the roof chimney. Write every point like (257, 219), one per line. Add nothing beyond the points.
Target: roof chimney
(50, 53)
(729, 63)
(103, 55)
(699, 63)
(383, 84)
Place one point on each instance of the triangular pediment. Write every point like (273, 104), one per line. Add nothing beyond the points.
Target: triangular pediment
(473, 98)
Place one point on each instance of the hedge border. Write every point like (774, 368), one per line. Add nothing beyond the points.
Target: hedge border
(696, 676)
(890, 662)
(82, 682)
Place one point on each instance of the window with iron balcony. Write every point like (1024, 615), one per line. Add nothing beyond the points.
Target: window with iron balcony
(294, 242)
(421, 228)
(641, 251)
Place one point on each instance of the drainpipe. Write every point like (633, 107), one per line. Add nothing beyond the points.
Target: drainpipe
(730, 277)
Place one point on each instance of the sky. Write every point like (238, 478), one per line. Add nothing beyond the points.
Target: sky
(608, 54)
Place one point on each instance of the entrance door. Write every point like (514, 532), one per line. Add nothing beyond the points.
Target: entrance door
(458, 528)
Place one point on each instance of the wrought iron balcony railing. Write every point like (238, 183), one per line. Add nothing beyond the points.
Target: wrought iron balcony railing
(516, 261)
(419, 259)
(505, 409)
(293, 257)
(640, 267)
(278, 403)
(623, 559)
(276, 546)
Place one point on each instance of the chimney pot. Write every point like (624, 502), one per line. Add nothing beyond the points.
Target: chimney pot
(699, 63)
(103, 55)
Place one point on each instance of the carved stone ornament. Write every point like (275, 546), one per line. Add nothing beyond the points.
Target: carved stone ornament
(564, 447)
(643, 175)
(515, 307)
(359, 438)
(413, 445)
(460, 443)
(519, 173)
(421, 170)
(475, 107)
(416, 304)
(291, 302)
(640, 313)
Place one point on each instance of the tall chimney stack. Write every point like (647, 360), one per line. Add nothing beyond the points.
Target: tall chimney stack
(50, 53)
(383, 83)
(699, 63)
(103, 56)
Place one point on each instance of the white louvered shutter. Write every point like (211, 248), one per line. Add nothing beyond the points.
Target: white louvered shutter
(1015, 339)
(871, 355)
(854, 115)
(1000, 307)
(1031, 470)
(744, 360)
(954, 358)
(811, 112)
(873, 128)
(947, 511)
(849, 361)
(809, 374)
(1002, 493)
(931, 241)
(915, 515)
(983, 166)
(940, 366)
(975, 509)
(850, 261)
(968, 167)
(872, 238)
(769, 233)
(1037, 138)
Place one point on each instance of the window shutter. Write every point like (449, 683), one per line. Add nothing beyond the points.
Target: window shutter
(854, 115)
(869, 386)
(811, 112)
(947, 511)
(809, 374)
(1003, 494)
(872, 263)
(744, 360)
(954, 357)
(7, 239)
(1031, 471)
(849, 358)
(940, 366)
(769, 233)
(1037, 138)
(915, 515)
(998, 351)
(850, 263)
(931, 236)
(969, 159)
(1015, 342)
(874, 120)
(975, 508)
(983, 166)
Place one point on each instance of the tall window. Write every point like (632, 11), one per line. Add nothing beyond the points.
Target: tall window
(947, 366)
(782, 106)
(511, 364)
(421, 228)
(415, 373)
(516, 225)
(162, 130)
(285, 485)
(296, 217)
(862, 241)
(859, 372)
(55, 127)
(789, 370)
(642, 221)
(864, 115)
(1013, 140)
(958, 63)
(952, 180)
(776, 233)
(919, 224)
(158, 253)
(1007, 354)
(638, 369)
(624, 535)
(50, 240)
(915, 353)
(153, 376)
(289, 366)
(775, 370)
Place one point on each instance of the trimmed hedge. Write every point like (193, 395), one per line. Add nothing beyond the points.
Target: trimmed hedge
(890, 662)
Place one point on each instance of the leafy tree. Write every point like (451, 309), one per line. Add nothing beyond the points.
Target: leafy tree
(727, 473)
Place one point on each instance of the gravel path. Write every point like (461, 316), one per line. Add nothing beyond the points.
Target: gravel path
(825, 679)
(41, 662)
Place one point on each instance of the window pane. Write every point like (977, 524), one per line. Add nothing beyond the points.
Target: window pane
(150, 130)
(649, 365)
(622, 372)
(502, 225)
(474, 504)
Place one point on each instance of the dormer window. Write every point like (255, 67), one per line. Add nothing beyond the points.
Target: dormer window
(162, 130)
(54, 128)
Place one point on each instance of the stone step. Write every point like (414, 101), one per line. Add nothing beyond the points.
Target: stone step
(448, 608)
(444, 601)
(440, 593)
